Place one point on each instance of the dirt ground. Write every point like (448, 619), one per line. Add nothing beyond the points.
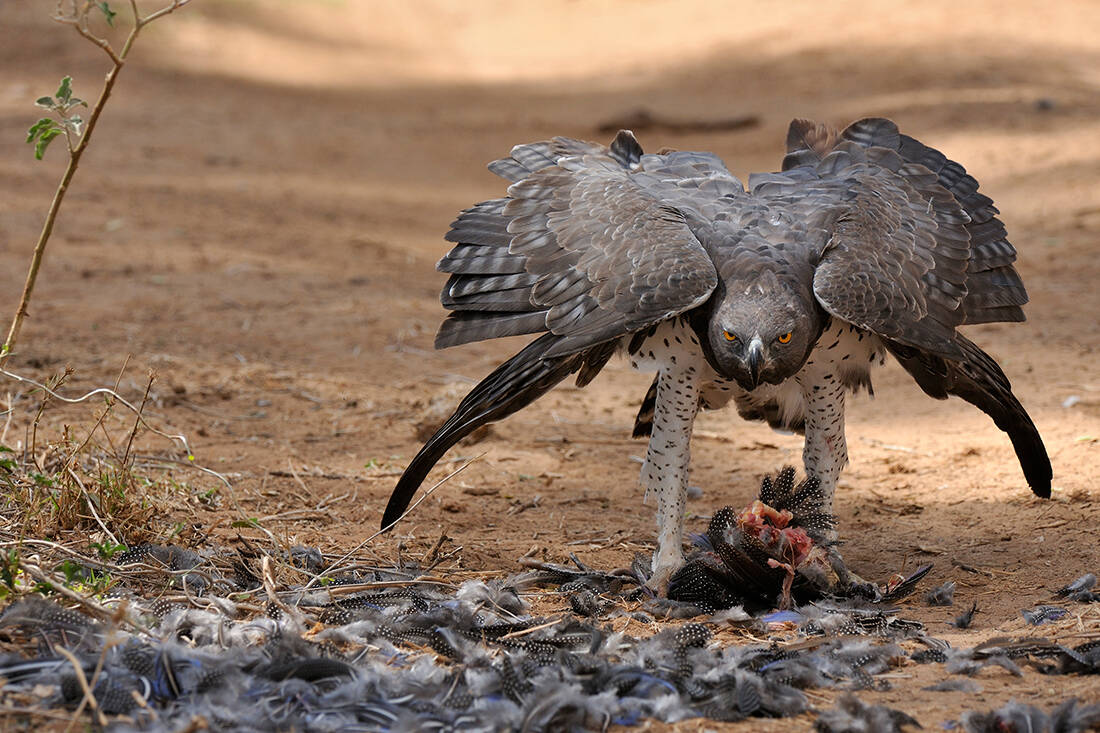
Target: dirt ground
(259, 213)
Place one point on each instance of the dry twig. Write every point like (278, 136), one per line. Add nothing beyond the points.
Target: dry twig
(89, 698)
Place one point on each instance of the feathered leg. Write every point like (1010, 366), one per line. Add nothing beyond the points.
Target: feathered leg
(665, 472)
(826, 451)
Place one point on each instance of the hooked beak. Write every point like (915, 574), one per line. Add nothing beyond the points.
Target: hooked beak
(755, 359)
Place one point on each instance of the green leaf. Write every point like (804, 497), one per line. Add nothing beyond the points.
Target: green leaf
(38, 128)
(72, 571)
(44, 142)
(77, 100)
(10, 568)
(107, 13)
(65, 91)
(76, 122)
(46, 102)
(108, 550)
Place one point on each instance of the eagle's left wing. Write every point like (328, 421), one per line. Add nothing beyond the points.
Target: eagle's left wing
(910, 254)
(893, 247)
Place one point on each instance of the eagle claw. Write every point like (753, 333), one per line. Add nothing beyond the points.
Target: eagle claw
(849, 583)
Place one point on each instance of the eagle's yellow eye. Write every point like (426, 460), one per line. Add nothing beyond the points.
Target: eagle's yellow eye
(729, 336)
(785, 338)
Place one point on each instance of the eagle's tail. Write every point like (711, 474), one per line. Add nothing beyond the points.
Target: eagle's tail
(512, 386)
(979, 380)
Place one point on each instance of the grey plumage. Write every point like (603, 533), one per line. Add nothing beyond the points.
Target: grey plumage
(571, 675)
(373, 672)
(955, 685)
(1080, 590)
(779, 297)
(1067, 717)
(853, 716)
(1043, 614)
(966, 618)
(970, 663)
(943, 595)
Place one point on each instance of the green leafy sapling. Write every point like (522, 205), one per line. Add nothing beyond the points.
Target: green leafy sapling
(77, 131)
(64, 122)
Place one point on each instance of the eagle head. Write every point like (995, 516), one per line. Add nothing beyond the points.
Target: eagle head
(761, 331)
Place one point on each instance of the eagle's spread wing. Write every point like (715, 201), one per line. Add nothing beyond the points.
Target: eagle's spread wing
(909, 250)
(895, 263)
(912, 250)
(580, 248)
(586, 249)
(893, 247)
(994, 291)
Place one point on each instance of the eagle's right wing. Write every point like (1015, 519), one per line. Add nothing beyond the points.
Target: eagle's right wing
(585, 247)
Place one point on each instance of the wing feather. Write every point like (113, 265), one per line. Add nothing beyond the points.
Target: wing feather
(990, 298)
(585, 239)
(895, 258)
(913, 249)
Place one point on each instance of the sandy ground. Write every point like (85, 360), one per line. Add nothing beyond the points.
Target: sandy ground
(259, 214)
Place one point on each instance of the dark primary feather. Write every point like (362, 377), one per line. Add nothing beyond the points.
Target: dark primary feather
(966, 618)
(513, 385)
(977, 379)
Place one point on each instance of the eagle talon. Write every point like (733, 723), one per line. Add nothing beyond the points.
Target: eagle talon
(658, 582)
(849, 583)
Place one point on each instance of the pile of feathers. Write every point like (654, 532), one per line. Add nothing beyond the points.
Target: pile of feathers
(422, 656)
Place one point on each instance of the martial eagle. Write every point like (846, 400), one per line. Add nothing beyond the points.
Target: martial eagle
(780, 297)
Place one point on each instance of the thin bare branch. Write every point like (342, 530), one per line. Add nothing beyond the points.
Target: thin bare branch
(91, 506)
(176, 5)
(141, 408)
(179, 438)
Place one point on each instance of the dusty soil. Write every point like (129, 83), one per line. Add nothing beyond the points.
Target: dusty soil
(259, 214)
